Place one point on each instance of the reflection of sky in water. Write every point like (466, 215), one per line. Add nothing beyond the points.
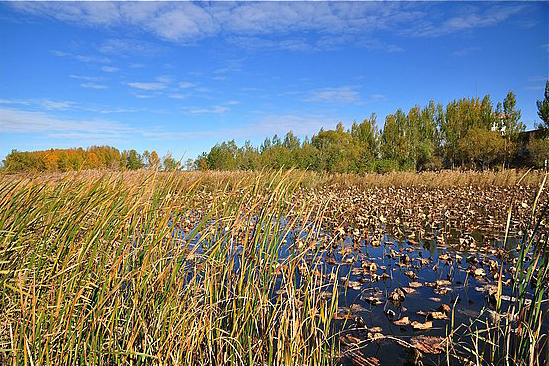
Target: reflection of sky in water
(468, 301)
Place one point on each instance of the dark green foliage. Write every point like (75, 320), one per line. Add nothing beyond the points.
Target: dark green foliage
(538, 150)
(543, 107)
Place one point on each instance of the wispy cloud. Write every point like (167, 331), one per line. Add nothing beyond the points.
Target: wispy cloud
(187, 22)
(148, 86)
(14, 120)
(215, 110)
(93, 86)
(128, 47)
(378, 97)
(110, 69)
(472, 17)
(13, 101)
(267, 125)
(344, 94)
(178, 96)
(46, 106)
(87, 78)
(466, 51)
(164, 79)
(51, 104)
(81, 58)
(186, 85)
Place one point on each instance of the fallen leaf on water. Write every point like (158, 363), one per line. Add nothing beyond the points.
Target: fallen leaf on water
(444, 257)
(479, 272)
(397, 295)
(436, 315)
(435, 299)
(422, 326)
(355, 285)
(409, 290)
(444, 283)
(442, 290)
(444, 308)
(404, 321)
(411, 274)
(373, 300)
(415, 284)
(433, 345)
(375, 336)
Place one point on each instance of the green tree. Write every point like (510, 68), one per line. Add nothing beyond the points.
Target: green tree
(543, 108)
(538, 150)
(509, 122)
(481, 147)
(134, 160)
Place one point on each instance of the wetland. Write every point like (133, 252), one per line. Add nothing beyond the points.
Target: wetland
(274, 268)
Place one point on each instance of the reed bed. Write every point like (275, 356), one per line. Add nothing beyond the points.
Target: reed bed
(96, 269)
(310, 179)
(103, 267)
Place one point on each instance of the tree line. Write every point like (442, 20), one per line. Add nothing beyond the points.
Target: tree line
(94, 157)
(465, 133)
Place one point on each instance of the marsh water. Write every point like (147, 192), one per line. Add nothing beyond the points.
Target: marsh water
(432, 274)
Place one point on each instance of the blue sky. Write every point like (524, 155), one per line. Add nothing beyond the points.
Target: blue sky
(182, 76)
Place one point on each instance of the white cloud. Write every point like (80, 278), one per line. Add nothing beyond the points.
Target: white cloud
(187, 22)
(164, 79)
(13, 101)
(344, 94)
(142, 96)
(14, 120)
(87, 78)
(51, 104)
(186, 85)
(110, 69)
(93, 86)
(82, 58)
(127, 47)
(215, 110)
(232, 102)
(148, 86)
(470, 18)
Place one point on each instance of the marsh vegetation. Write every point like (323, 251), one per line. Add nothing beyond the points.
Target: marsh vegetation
(274, 268)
